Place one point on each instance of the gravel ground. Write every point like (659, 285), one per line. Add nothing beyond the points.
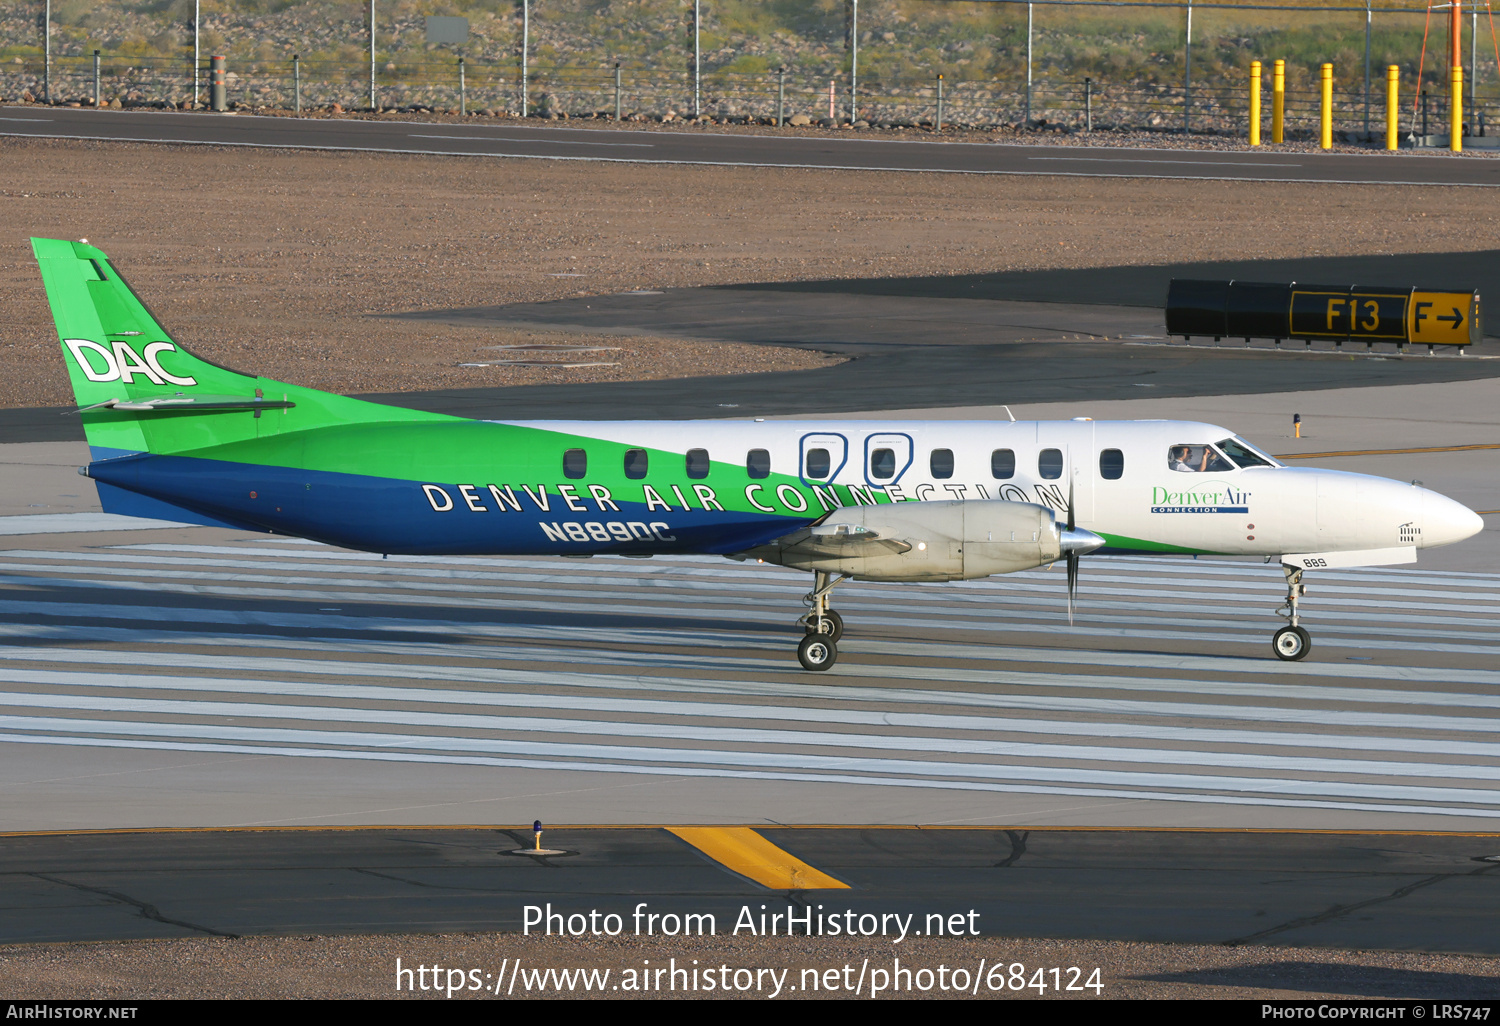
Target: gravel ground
(365, 967)
(283, 263)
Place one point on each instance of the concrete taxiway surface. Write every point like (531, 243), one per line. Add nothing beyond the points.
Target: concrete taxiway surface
(1366, 891)
(179, 676)
(485, 138)
(158, 678)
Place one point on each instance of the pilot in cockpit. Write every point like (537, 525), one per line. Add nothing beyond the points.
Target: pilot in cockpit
(1197, 459)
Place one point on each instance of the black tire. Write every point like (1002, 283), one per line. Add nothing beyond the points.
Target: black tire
(832, 627)
(1291, 643)
(817, 652)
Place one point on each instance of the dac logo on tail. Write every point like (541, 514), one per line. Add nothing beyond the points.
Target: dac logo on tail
(122, 363)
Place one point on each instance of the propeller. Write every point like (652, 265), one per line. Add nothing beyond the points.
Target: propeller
(1075, 543)
(1072, 557)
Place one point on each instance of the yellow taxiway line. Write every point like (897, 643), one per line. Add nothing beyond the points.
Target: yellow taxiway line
(1386, 452)
(752, 856)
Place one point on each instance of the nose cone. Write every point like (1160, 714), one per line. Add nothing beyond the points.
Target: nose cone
(1078, 541)
(1445, 521)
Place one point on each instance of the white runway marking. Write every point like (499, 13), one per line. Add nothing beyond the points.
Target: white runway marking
(685, 667)
(732, 773)
(1208, 634)
(64, 523)
(739, 735)
(270, 665)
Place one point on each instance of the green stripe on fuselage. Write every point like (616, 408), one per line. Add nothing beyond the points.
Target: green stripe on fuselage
(481, 453)
(1120, 543)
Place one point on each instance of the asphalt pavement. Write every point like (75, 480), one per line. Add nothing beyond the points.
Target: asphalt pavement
(967, 340)
(1350, 890)
(485, 137)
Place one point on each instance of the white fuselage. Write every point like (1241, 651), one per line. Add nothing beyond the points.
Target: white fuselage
(1127, 480)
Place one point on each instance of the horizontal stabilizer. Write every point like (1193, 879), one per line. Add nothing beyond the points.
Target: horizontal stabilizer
(195, 403)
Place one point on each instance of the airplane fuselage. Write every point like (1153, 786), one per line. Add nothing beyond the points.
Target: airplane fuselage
(727, 486)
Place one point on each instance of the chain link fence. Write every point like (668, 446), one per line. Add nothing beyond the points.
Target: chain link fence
(1202, 87)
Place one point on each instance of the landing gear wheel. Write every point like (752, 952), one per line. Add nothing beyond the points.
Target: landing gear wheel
(817, 652)
(831, 627)
(1291, 643)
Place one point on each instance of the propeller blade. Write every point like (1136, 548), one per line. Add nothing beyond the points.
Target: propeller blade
(1072, 555)
(1075, 543)
(1072, 584)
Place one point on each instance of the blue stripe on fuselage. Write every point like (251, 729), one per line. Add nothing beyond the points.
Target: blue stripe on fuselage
(387, 515)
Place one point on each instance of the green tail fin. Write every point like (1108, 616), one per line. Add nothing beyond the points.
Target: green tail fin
(138, 391)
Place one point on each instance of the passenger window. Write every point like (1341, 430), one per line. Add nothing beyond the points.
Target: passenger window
(575, 463)
(883, 464)
(941, 463)
(819, 463)
(1003, 464)
(697, 464)
(758, 464)
(1197, 459)
(635, 464)
(1111, 464)
(1049, 464)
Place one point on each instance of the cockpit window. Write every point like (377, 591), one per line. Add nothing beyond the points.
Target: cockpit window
(1197, 459)
(1241, 452)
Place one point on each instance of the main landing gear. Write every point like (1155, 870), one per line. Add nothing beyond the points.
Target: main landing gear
(1292, 642)
(824, 627)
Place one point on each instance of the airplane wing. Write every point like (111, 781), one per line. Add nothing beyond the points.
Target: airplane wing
(839, 540)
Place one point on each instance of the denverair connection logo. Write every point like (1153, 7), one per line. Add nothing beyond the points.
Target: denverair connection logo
(120, 362)
(1210, 497)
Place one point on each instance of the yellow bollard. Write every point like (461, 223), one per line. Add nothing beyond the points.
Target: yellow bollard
(1255, 103)
(1392, 87)
(1278, 100)
(1456, 84)
(1325, 117)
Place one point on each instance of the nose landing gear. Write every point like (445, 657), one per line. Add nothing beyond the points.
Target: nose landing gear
(830, 625)
(817, 652)
(824, 627)
(1291, 642)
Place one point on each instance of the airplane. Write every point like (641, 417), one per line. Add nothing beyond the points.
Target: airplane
(175, 437)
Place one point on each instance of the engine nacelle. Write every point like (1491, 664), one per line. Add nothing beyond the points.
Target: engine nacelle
(952, 540)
